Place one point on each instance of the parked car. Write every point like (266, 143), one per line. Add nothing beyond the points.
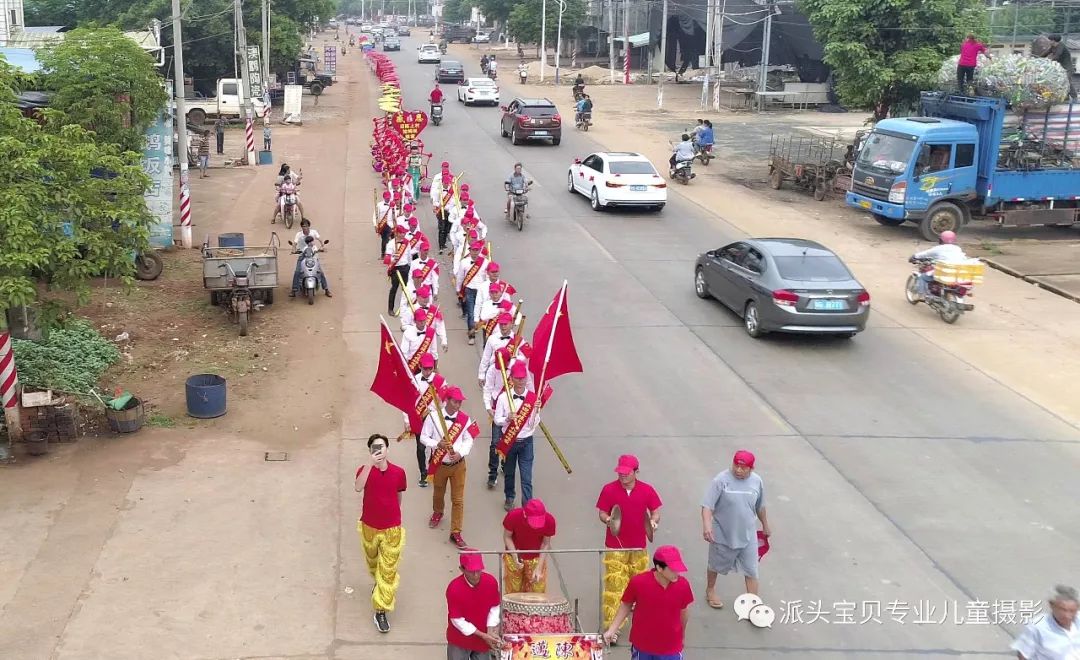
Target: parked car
(428, 53)
(617, 178)
(391, 42)
(784, 285)
(531, 119)
(462, 33)
(482, 38)
(478, 90)
(450, 72)
(403, 31)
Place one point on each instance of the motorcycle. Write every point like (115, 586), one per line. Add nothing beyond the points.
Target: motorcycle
(310, 268)
(703, 153)
(583, 121)
(523, 74)
(436, 113)
(442, 47)
(288, 207)
(492, 72)
(683, 171)
(949, 300)
(518, 203)
(579, 92)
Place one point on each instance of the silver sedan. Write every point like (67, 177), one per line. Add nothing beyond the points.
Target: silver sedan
(784, 285)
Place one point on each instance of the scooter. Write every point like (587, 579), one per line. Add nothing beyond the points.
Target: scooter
(683, 171)
(579, 92)
(492, 73)
(519, 201)
(310, 268)
(287, 205)
(583, 121)
(948, 300)
(703, 153)
(523, 74)
(436, 113)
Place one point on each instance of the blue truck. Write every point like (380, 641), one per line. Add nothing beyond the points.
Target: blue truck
(970, 157)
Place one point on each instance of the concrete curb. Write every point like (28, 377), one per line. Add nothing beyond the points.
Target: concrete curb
(1032, 279)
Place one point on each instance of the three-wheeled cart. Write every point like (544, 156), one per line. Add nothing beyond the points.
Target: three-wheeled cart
(815, 164)
(241, 279)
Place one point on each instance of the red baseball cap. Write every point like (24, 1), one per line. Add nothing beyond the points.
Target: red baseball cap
(424, 291)
(421, 314)
(493, 267)
(505, 317)
(669, 555)
(445, 165)
(472, 561)
(504, 354)
(627, 464)
(425, 245)
(743, 457)
(535, 513)
(464, 186)
(519, 370)
(476, 245)
(386, 194)
(417, 272)
(427, 360)
(400, 229)
(409, 207)
(494, 287)
(413, 220)
(453, 392)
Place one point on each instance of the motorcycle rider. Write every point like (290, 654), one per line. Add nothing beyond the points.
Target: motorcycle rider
(492, 68)
(289, 181)
(306, 238)
(946, 250)
(579, 87)
(584, 107)
(705, 138)
(516, 181)
(436, 95)
(523, 71)
(484, 63)
(682, 151)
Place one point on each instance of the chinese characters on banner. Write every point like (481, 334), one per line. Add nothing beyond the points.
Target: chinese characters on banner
(409, 124)
(293, 94)
(157, 164)
(330, 59)
(553, 647)
(254, 65)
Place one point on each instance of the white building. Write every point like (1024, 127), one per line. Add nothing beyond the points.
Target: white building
(11, 19)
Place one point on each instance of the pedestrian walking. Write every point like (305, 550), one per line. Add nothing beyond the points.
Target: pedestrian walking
(381, 535)
(517, 414)
(219, 130)
(628, 532)
(448, 452)
(530, 527)
(472, 611)
(730, 512)
(969, 59)
(658, 600)
(1054, 636)
(204, 153)
(428, 383)
(1059, 52)
(396, 259)
(267, 134)
(471, 276)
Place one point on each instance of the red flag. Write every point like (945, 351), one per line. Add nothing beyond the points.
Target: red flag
(393, 383)
(554, 353)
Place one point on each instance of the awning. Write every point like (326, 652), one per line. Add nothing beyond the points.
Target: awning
(637, 40)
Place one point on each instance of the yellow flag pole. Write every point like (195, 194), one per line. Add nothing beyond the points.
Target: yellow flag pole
(405, 291)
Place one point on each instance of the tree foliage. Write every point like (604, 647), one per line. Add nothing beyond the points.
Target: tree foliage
(104, 82)
(1025, 21)
(498, 10)
(524, 22)
(457, 11)
(59, 222)
(884, 52)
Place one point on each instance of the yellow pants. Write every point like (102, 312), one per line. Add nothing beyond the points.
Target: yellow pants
(619, 567)
(519, 578)
(382, 549)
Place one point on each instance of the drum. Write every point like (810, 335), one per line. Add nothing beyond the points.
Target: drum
(536, 614)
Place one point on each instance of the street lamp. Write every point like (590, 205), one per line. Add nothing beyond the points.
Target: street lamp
(558, 39)
(543, 38)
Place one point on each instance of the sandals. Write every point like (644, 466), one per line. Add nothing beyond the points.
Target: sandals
(714, 602)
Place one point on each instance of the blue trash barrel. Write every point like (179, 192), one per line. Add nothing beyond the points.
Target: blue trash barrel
(205, 396)
(230, 240)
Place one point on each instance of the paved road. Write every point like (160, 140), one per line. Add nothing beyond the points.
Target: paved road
(895, 473)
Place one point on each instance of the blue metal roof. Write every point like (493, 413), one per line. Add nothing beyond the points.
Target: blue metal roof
(23, 59)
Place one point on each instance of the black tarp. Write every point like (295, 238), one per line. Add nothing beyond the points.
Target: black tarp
(33, 100)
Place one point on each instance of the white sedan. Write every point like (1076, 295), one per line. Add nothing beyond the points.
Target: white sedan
(617, 178)
(478, 90)
(428, 53)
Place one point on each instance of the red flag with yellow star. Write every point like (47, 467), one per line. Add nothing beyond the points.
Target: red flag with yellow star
(393, 382)
(554, 352)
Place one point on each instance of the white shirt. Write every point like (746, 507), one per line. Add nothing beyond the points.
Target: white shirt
(403, 260)
(947, 252)
(684, 151)
(408, 321)
(421, 387)
(412, 338)
(1046, 640)
(496, 341)
(431, 435)
(479, 281)
(469, 629)
(436, 190)
(432, 278)
(494, 384)
(503, 413)
(382, 210)
(489, 309)
(298, 240)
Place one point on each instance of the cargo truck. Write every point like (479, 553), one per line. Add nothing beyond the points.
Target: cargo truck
(971, 158)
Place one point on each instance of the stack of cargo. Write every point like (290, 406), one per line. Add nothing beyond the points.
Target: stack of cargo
(1024, 82)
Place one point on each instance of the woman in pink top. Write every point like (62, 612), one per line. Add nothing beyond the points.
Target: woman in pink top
(969, 57)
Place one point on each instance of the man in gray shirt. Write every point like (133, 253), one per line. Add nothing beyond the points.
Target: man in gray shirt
(730, 511)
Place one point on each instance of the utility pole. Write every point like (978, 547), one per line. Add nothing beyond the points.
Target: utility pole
(543, 38)
(663, 56)
(709, 26)
(245, 79)
(626, 41)
(611, 38)
(266, 41)
(766, 40)
(181, 127)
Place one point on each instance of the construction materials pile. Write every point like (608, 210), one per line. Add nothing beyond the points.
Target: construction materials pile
(1025, 82)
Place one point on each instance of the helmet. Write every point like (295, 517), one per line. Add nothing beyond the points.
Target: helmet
(947, 237)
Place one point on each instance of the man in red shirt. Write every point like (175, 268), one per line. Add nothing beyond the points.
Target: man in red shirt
(381, 534)
(658, 600)
(527, 528)
(436, 95)
(472, 611)
(639, 509)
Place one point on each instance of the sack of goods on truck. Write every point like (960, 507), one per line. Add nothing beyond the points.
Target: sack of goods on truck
(1023, 81)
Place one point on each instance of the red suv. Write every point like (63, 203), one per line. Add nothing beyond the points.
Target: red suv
(531, 119)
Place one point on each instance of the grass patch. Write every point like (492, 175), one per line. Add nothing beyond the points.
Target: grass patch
(160, 421)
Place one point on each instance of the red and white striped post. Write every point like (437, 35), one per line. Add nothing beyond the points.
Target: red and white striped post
(626, 65)
(185, 208)
(9, 388)
(249, 130)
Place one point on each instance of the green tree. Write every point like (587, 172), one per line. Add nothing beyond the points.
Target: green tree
(524, 22)
(1025, 21)
(497, 10)
(104, 82)
(57, 221)
(884, 53)
(457, 11)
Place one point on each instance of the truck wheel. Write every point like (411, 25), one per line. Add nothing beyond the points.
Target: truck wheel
(196, 116)
(943, 216)
(887, 221)
(316, 88)
(148, 266)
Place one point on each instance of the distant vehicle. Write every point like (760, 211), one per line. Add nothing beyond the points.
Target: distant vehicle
(391, 42)
(403, 31)
(478, 90)
(312, 79)
(784, 285)
(617, 178)
(428, 53)
(332, 24)
(225, 104)
(462, 33)
(366, 27)
(531, 119)
(482, 38)
(450, 72)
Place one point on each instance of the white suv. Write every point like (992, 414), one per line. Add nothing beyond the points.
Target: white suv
(428, 53)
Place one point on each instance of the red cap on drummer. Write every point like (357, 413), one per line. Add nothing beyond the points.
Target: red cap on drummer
(627, 464)
(535, 513)
(472, 561)
(670, 556)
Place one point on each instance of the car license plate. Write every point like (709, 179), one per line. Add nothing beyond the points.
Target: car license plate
(864, 204)
(829, 305)
(638, 188)
(540, 133)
